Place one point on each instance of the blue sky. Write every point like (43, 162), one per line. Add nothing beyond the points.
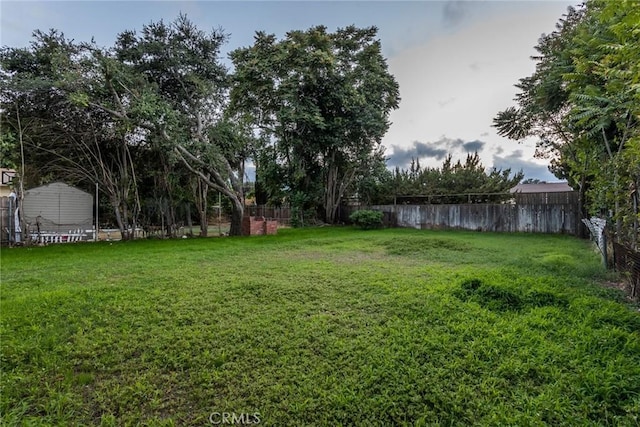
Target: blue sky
(456, 61)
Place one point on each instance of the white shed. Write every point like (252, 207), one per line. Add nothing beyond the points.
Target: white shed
(57, 208)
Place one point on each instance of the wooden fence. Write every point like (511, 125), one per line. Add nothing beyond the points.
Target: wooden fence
(546, 216)
(6, 223)
(280, 214)
(627, 262)
(557, 198)
(507, 217)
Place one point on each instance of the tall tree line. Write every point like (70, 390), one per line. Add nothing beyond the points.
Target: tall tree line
(158, 122)
(583, 105)
(458, 182)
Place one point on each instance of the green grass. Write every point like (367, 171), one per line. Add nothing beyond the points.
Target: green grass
(327, 326)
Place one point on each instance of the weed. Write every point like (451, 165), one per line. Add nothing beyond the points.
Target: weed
(317, 326)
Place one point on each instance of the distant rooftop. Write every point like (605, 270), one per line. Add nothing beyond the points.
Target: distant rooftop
(543, 187)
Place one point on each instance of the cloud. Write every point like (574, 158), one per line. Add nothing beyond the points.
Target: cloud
(473, 146)
(402, 157)
(445, 102)
(475, 62)
(475, 66)
(450, 143)
(460, 144)
(515, 155)
(434, 150)
(432, 153)
(454, 11)
(516, 161)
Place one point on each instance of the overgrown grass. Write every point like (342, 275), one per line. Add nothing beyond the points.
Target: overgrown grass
(323, 326)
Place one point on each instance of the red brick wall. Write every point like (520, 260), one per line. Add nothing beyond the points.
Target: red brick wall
(272, 226)
(257, 225)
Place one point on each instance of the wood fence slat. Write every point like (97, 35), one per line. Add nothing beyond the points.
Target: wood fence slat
(532, 218)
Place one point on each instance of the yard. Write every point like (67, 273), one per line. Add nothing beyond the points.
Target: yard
(325, 326)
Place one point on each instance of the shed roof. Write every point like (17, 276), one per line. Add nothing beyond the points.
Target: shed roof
(544, 187)
(56, 187)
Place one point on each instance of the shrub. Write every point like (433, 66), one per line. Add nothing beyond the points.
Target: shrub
(366, 219)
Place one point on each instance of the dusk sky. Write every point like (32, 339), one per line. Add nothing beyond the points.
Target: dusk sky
(456, 61)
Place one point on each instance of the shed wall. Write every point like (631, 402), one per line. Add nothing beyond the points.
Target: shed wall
(57, 207)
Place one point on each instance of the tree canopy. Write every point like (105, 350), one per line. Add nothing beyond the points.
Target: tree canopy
(459, 182)
(157, 115)
(582, 103)
(158, 95)
(159, 122)
(321, 101)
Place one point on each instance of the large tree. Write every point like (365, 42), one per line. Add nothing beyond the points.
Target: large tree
(543, 102)
(185, 109)
(62, 137)
(160, 95)
(321, 101)
(582, 104)
(605, 96)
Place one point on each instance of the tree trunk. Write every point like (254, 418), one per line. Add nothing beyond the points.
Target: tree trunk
(235, 193)
(201, 197)
(237, 213)
(204, 226)
(330, 190)
(116, 210)
(582, 209)
(335, 188)
(187, 215)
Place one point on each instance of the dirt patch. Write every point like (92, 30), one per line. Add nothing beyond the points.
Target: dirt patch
(615, 285)
(214, 230)
(621, 286)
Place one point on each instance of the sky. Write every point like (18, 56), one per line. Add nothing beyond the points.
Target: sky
(456, 62)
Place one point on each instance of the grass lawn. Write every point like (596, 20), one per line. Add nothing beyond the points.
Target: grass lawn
(326, 327)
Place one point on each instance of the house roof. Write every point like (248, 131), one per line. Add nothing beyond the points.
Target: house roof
(545, 187)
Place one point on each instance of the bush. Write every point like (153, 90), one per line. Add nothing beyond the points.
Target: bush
(366, 219)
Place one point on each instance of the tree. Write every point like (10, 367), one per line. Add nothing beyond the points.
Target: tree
(322, 102)
(454, 182)
(543, 102)
(181, 65)
(158, 95)
(582, 103)
(376, 185)
(531, 181)
(606, 105)
(64, 138)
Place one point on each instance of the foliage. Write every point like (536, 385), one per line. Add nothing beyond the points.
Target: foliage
(582, 103)
(146, 114)
(184, 110)
(317, 326)
(148, 118)
(454, 183)
(366, 219)
(321, 101)
(64, 137)
(9, 149)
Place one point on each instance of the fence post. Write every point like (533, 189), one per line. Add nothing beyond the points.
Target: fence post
(605, 256)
